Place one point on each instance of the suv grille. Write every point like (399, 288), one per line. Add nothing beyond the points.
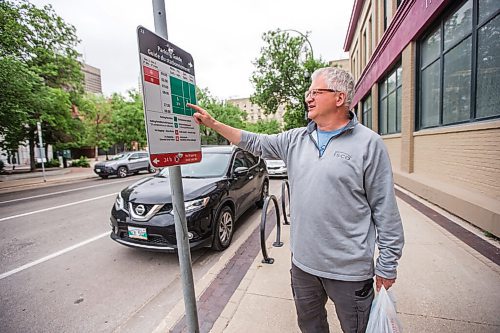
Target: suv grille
(147, 208)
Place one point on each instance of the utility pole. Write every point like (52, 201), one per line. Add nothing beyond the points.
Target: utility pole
(41, 150)
(181, 231)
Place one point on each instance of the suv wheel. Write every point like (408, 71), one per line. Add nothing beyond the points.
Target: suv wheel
(122, 172)
(151, 169)
(264, 192)
(224, 227)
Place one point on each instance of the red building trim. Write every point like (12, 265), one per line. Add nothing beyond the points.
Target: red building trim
(411, 19)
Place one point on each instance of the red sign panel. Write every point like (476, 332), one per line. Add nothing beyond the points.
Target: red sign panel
(151, 79)
(151, 72)
(151, 75)
(165, 160)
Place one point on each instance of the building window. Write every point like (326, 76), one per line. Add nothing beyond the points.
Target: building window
(387, 12)
(390, 102)
(367, 111)
(460, 66)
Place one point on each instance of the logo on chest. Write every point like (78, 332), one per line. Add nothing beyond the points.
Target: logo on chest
(342, 155)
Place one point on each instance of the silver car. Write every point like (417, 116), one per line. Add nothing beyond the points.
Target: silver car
(276, 168)
(124, 164)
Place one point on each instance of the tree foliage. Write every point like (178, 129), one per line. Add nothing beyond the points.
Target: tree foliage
(39, 72)
(96, 113)
(264, 126)
(226, 113)
(17, 99)
(42, 40)
(127, 120)
(282, 73)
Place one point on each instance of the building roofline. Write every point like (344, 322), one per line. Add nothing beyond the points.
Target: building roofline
(410, 20)
(353, 22)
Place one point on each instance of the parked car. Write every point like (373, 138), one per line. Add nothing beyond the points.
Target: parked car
(217, 191)
(276, 168)
(124, 164)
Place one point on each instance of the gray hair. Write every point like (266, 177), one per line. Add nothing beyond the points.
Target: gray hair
(337, 79)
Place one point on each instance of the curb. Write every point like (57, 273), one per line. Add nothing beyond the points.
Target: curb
(24, 184)
(178, 311)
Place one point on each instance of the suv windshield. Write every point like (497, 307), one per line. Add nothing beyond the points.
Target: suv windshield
(118, 157)
(211, 165)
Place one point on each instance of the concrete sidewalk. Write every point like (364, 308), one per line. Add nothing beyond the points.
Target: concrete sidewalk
(443, 286)
(21, 180)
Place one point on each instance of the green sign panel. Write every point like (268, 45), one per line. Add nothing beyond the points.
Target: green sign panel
(182, 92)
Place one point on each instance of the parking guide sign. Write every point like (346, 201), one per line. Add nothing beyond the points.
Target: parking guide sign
(168, 83)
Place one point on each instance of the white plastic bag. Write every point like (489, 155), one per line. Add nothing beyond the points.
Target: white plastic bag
(383, 318)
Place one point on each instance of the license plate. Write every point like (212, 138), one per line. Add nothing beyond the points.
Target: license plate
(98, 170)
(137, 233)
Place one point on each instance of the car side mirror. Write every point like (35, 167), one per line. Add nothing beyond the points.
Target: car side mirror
(240, 171)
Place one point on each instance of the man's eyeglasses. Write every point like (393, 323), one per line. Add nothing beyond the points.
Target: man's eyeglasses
(315, 92)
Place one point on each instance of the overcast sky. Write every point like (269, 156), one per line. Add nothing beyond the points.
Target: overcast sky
(223, 36)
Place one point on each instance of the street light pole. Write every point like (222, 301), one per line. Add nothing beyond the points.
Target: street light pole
(305, 38)
(307, 75)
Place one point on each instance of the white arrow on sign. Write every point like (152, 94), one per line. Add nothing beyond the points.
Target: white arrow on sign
(156, 160)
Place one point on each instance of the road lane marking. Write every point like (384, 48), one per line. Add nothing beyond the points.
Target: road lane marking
(65, 191)
(53, 255)
(55, 207)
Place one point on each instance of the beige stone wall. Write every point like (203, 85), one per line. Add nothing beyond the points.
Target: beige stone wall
(363, 43)
(468, 157)
(454, 167)
(393, 144)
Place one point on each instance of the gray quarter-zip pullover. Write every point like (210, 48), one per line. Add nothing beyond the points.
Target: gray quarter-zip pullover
(341, 203)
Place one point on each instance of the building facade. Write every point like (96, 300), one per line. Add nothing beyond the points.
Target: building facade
(428, 81)
(92, 77)
(256, 113)
(341, 63)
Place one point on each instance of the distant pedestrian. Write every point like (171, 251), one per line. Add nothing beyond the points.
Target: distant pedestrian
(342, 203)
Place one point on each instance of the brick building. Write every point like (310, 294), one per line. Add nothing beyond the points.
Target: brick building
(428, 81)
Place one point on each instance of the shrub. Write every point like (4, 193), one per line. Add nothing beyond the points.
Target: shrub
(54, 163)
(81, 162)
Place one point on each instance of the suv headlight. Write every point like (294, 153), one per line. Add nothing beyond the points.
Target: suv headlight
(193, 205)
(119, 203)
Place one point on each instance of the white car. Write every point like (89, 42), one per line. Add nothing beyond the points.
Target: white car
(276, 168)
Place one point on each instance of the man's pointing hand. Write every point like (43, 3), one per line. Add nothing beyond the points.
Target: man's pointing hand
(202, 116)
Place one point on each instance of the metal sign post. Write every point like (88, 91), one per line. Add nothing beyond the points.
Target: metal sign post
(42, 151)
(168, 83)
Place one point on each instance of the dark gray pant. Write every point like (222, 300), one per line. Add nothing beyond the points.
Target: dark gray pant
(352, 302)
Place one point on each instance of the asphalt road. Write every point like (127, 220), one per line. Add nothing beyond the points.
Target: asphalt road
(60, 271)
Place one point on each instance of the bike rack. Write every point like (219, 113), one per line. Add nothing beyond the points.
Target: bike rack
(263, 220)
(285, 186)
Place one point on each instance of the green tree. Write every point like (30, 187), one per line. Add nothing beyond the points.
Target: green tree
(127, 120)
(96, 113)
(38, 43)
(42, 40)
(16, 101)
(264, 126)
(281, 75)
(223, 112)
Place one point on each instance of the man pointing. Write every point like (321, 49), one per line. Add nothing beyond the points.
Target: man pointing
(342, 203)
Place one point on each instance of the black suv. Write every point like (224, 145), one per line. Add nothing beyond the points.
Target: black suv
(125, 164)
(217, 191)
